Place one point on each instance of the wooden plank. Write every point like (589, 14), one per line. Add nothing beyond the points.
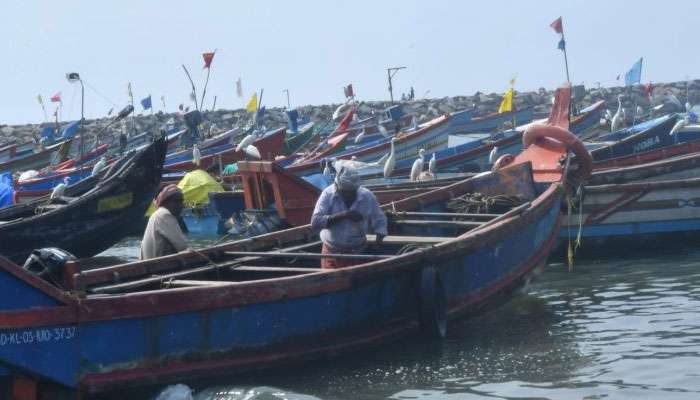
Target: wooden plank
(192, 283)
(277, 254)
(262, 268)
(442, 223)
(441, 214)
(393, 239)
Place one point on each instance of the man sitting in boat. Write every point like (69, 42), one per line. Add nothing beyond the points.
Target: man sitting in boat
(345, 213)
(163, 234)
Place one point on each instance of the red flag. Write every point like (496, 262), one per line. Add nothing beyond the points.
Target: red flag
(558, 26)
(56, 98)
(348, 91)
(208, 58)
(649, 89)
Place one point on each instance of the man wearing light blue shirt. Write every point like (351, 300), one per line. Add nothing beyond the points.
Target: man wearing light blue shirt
(344, 214)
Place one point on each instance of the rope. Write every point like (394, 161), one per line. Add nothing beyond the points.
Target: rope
(480, 203)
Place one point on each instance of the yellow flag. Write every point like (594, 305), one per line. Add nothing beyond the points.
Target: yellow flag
(252, 103)
(507, 102)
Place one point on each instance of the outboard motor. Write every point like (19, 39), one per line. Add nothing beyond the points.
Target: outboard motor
(48, 263)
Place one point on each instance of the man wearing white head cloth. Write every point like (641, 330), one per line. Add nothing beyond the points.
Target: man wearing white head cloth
(345, 213)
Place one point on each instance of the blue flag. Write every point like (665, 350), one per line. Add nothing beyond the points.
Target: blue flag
(562, 45)
(260, 116)
(146, 103)
(634, 75)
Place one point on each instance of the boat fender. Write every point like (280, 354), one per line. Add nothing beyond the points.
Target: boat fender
(572, 142)
(502, 161)
(48, 263)
(433, 304)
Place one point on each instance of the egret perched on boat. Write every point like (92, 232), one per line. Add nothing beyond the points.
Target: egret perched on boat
(616, 121)
(492, 155)
(679, 125)
(58, 191)
(417, 166)
(608, 115)
(432, 165)
(99, 166)
(383, 131)
(253, 152)
(391, 161)
(360, 135)
(640, 110)
(414, 123)
(245, 142)
(326, 168)
(196, 155)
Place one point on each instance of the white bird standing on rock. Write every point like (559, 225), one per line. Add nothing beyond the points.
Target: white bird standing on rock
(99, 166)
(58, 191)
(196, 155)
(492, 155)
(688, 106)
(391, 161)
(616, 122)
(417, 167)
(245, 142)
(432, 165)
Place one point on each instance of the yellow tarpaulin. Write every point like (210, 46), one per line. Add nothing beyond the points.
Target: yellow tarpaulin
(195, 186)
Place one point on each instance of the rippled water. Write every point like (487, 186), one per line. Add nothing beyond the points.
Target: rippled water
(615, 328)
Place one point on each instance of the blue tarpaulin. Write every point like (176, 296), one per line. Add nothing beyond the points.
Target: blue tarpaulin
(7, 191)
(319, 180)
(70, 130)
(47, 133)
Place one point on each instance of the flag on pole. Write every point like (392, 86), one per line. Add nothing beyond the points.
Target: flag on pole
(56, 98)
(558, 26)
(634, 75)
(40, 100)
(252, 103)
(507, 102)
(146, 103)
(129, 92)
(208, 58)
(162, 100)
(239, 88)
(512, 81)
(348, 91)
(561, 45)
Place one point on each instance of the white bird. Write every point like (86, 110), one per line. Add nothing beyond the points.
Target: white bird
(245, 142)
(360, 136)
(616, 122)
(432, 165)
(326, 169)
(417, 166)
(492, 155)
(640, 110)
(196, 155)
(414, 123)
(687, 106)
(390, 162)
(383, 131)
(340, 110)
(253, 152)
(58, 191)
(679, 125)
(99, 166)
(608, 114)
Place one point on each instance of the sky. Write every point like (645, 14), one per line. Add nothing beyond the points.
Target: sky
(314, 48)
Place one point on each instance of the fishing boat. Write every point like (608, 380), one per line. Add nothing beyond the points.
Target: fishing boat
(269, 145)
(240, 305)
(34, 161)
(300, 139)
(93, 220)
(264, 301)
(637, 203)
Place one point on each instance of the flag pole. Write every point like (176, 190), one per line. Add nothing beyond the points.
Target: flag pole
(194, 90)
(566, 59)
(206, 82)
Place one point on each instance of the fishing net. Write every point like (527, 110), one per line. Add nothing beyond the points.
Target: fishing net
(478, 203)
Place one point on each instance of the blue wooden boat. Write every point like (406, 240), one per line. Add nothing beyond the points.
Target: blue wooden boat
(637, 204)
(263, 301)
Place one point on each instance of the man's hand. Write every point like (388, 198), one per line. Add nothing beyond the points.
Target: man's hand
(353, 215)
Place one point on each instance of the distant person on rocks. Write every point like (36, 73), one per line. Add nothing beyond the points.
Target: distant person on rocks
(344, 214)
(411, 94)
(163, 235)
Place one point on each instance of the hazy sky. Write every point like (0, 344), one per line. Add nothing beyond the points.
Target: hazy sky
(313, 48)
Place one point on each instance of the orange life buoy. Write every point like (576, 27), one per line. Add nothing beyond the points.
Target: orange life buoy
(573, 143)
